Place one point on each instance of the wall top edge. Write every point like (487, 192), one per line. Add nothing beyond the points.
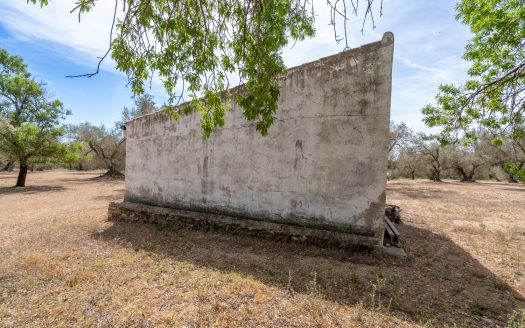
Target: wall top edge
(386, 41)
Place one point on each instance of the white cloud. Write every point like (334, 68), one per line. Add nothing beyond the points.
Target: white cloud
(441, 74)
(54, 23)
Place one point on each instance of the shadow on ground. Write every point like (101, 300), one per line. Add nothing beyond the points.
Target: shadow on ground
(117, 195)
(437, 281)
(29, 189)
(514, 189)
(94, 178)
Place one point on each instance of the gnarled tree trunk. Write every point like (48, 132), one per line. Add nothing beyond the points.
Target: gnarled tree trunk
(466, 176)
(113, 172)
(109, 160)
(435, 173)
(436, 176)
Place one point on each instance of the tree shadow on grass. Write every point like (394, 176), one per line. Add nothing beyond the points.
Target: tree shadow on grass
(29, 189)
(438, 280)
(93, 178)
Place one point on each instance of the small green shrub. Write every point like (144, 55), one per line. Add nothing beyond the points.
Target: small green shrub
(313, 288)
(375, 294)
(517, 319)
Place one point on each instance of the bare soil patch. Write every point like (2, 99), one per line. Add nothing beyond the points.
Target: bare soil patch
(63, 264)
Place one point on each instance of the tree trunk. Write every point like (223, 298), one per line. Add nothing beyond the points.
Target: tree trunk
(465, 176)
(113, 172)
(22, 174)
(8, 166)
(462, 173)
(413, 174)
(470, 175)
(436, 176)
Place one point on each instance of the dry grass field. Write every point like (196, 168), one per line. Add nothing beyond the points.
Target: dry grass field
(62, 264)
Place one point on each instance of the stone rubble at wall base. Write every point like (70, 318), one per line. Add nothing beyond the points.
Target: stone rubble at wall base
(135, 212)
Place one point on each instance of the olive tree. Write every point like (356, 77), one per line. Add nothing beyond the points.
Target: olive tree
(465, 161)
(434, 155)
(108, 145)
(504, 152)
(30, 144)
(400, 137)
(410, 162)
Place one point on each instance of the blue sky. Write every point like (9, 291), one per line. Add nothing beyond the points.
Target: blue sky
(429, 44)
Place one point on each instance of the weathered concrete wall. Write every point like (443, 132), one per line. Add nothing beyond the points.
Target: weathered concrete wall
(322, 164)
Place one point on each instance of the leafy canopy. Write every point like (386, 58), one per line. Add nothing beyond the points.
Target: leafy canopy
(106, 144)
(493, 99)
(197, 46)
(143, 104)
(30, 121)
(22, 99)
(30, 144)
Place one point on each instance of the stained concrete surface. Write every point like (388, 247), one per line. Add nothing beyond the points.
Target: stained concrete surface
(322, 164)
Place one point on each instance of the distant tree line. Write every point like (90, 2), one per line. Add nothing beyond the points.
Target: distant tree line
(33, 134)
(105, 148)
(413, 155)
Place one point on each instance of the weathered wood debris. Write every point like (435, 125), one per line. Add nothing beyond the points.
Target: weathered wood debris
(393, 213)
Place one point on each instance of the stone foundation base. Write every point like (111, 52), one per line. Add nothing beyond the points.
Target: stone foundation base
(132, 212)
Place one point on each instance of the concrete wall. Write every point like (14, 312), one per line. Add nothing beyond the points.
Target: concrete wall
(322, 164)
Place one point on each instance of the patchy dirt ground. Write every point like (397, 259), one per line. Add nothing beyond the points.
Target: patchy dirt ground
(62, 264)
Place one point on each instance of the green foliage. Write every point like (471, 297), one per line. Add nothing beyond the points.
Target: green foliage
(11, 64)
(30, 122)
(476, 308)
(516, 170)
(24, 100)
(143, 104)
(517, 319)
(30, 144)
(106, 145)
(195, 46)
(74, 153)
(493, 99)
(376, 291)
(497, 141)
(313, 288)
